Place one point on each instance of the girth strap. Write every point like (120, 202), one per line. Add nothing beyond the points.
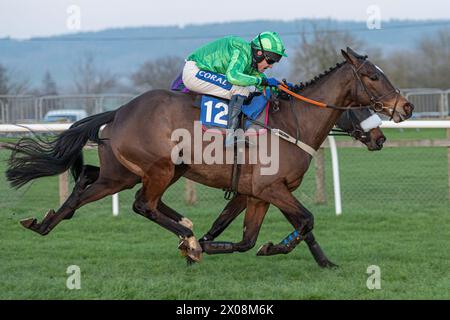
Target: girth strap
(235, 171)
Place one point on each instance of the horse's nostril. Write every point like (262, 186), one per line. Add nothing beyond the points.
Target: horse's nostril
(381, 141)
(409, 107)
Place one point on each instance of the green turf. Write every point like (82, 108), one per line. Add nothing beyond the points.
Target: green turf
(396, 216)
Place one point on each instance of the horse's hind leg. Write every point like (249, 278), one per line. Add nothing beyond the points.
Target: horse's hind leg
(88, 175)
(86, 190)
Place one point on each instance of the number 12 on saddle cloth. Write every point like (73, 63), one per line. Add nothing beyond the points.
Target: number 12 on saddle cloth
(214, 111)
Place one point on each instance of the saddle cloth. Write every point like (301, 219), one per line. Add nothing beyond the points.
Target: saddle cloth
(214, 114)
(214, 111)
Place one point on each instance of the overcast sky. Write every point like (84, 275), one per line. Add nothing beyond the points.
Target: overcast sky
(27, 18)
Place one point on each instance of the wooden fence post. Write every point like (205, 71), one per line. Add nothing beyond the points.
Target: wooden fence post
(63, 187)
(190, 192)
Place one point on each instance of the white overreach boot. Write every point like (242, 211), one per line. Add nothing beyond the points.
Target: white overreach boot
(234, 110)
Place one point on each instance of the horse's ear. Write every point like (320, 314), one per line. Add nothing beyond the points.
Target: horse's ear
(353, 53)
(350, 59)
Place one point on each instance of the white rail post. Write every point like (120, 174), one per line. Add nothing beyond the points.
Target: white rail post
(336, 179)
(115, 204)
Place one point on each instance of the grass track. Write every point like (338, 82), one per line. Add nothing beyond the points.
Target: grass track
(127, 257)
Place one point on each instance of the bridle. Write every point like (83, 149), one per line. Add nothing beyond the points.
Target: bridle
(376, 102)
(355, 130)
(352, 130)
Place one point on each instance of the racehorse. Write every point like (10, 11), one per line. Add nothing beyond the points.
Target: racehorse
(140, 139)
(354, 123)
(118, 178)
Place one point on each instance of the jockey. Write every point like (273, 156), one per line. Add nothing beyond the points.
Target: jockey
(232, 68)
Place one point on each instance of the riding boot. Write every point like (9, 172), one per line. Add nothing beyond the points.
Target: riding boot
(234, 110)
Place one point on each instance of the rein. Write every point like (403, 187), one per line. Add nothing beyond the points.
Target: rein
(284, 88)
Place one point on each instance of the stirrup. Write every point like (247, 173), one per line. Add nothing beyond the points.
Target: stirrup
(227, 143)
(245, 140)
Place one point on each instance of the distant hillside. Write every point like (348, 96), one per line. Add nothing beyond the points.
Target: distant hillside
(123, 50)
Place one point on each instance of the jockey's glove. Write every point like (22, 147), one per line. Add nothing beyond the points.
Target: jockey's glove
(270, 82)
(289, 85)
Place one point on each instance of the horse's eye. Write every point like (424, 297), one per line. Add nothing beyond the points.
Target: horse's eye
(374, 77)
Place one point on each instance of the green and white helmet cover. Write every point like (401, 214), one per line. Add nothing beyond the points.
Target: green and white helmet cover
(271, 42)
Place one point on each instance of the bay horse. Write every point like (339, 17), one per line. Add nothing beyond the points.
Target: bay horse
(117, 178)
(354, 122)
(155, 114)
(350, 122)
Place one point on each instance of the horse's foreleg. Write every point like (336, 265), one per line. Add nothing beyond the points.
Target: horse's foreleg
(169, 212)
(317, 252)
(292, 240)
(229, 213)
(313, 246)
(254, 216)
(302, 219)
(155, 182)
(172, 214)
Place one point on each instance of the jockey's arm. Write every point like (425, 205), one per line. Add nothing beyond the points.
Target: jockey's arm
(235, 72)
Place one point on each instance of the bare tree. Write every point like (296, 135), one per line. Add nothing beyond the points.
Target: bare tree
(433, 66)
(320, 49)
(12, 85)
(157, 74)
(3, 80)
(88, 78)
(426, 66)
(400, 67)
(48, 85)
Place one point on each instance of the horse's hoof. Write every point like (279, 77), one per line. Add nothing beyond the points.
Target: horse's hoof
(28, 223)
(189, 261)
(191, 249)
(264, 249)
(328, 264)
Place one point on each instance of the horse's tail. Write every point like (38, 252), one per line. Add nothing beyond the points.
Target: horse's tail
(35, 158)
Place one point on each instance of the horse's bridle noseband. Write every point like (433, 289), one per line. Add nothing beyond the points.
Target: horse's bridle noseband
(375, 102)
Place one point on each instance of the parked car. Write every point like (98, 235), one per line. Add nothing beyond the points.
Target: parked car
(65, 115)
